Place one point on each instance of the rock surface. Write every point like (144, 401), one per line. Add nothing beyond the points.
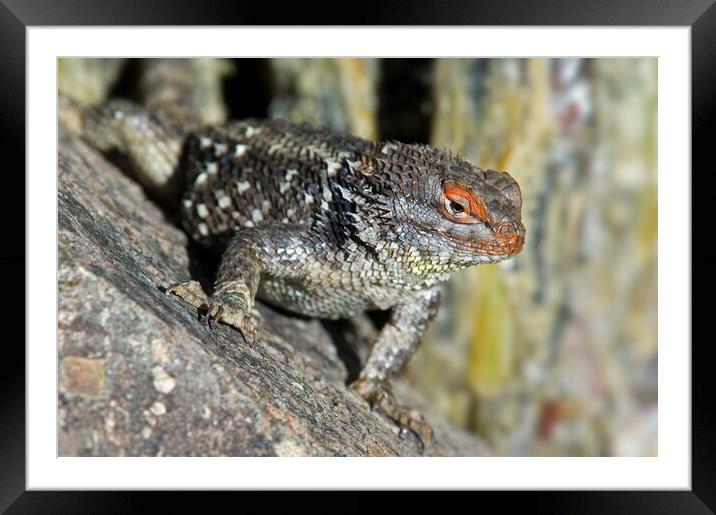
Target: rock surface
(142, 375)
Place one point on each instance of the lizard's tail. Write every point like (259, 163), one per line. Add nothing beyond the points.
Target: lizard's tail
(176, 95)
(151, 146)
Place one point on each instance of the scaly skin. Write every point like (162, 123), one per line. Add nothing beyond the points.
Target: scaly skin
(323, 224)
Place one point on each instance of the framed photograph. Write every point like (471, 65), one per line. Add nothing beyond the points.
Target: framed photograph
(429, 249)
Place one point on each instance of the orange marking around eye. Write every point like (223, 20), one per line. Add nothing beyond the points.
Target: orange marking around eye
(477, 208)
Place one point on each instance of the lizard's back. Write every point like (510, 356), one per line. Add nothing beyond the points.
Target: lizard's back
(250, 173)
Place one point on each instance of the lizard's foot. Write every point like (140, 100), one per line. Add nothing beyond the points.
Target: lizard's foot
(191, 293)
(222, 308)
(378, 394)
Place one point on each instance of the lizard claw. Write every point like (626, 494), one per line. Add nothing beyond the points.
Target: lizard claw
(379, 396)
(192, 293)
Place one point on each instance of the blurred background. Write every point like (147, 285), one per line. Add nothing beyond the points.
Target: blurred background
(553, 353)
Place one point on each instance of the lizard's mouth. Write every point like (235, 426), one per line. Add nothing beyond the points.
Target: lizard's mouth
(485, 245)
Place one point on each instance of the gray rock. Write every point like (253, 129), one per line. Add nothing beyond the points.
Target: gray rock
(142, 375)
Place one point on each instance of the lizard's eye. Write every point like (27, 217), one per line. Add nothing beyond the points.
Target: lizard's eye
(460, 205)
(457, 207)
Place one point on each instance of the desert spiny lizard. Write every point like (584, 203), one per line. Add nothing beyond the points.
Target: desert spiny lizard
(321, 223)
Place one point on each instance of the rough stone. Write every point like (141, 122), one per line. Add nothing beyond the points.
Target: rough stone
(82, 376)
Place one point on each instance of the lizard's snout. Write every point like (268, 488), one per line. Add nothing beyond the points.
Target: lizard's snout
(511, 235)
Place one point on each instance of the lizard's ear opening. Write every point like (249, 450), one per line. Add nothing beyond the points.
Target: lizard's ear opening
(460, 205)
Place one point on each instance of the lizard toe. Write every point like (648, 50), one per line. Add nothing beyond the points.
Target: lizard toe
(190, 292)
(236, 318)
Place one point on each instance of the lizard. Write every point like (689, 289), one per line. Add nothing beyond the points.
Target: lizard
(320, 223)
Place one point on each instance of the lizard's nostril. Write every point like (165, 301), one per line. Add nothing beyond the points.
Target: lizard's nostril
(511, 234)
(506, 229)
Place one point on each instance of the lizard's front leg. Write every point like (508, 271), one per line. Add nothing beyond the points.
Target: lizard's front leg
(249, 254)
(396, 343)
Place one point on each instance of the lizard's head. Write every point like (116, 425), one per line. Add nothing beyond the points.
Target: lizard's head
(480, 213)
(463, 215)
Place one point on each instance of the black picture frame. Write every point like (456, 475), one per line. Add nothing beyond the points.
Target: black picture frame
(17, 15)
